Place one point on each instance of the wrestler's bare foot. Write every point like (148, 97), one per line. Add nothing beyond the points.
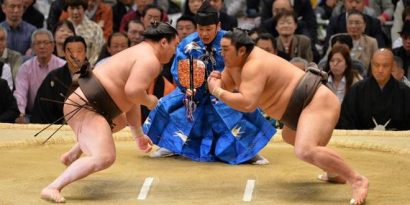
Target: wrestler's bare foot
(331, 179)
(360, 188)
(69, 157)
(52, 195)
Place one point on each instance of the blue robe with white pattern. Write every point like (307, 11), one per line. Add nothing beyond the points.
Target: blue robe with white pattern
(217, 132)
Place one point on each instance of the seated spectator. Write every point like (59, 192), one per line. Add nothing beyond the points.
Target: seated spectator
(116, 43)
(18, 31)
(61, 31)
(30, 14)
(383, 10)
(341, 74)
(185, 25)
(346, 40)
(227, 22)
(100, 13)
(292, 44)
(325, 8)
(378, 102)
(49, 101)
(405, 17)
(191, 7)
(5, 74)
(399, 11)
(8, 56)
(119, 9)
(151, 13)
(56, 8)
(134, 30)
(363, 45)
(338, 24)
(268, 43)
(33, 71)
(84, 27)
(404, 51)
(398, 71)
(299, 62)
(8, 106)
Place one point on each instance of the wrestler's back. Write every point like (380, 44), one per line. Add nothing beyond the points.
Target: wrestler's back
(282, 78)
(114, 73)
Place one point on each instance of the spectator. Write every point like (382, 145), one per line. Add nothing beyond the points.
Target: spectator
(18, 31)
(405, 17)
(363, 45)
(8, 106)
(185, 26)
(338, 24)
(299, 62)
(134, 30)
(49, 101)
(98, 12)
(404, 51)
(341, 74)
(30, 14)
(325, 8)
(191, 7)
(33, 71)
(292, 44)
(378, 102)
(398, 71)
(227, 22)
(346, 40)
(118, 11)
(56, 8)
(8, 56)
(398, 18)
(61, 31)
(383, 9)
(268, 43)
(116, 43)
(151, 13)
(5, 74)
(84, 27)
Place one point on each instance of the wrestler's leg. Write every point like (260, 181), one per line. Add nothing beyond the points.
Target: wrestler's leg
(315, 128)
(95, 139)
(75, 152)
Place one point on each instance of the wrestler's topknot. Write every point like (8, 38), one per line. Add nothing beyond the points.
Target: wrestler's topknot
(239, 37)
(159, 30)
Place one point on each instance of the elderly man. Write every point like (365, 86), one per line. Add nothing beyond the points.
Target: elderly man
(254, 78)
(378, 102)
(33, 71)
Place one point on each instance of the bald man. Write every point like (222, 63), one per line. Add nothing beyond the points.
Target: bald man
(379, 102)
(254, 78)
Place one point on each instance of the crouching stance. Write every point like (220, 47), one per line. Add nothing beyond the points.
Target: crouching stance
(308, 110)
(107, 100)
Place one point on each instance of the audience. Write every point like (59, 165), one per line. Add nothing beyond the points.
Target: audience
(341, 74)
(32, 72)
(48, 104)
(378, 102)
(61, 31)
(8, 106)
(134, 30)
(404, 51)
(8, 56)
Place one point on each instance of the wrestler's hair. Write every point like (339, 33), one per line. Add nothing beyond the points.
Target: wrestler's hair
(160, 30)
(239, 38)
(72, 39)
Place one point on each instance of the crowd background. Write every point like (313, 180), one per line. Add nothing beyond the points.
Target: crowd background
(340, 35)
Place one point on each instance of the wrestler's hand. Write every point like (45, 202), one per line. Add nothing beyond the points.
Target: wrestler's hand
(214, 82)
(153, 102)
(144, 143)
(216, 74)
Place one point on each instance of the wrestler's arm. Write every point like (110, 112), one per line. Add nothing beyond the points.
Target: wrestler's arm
(246, 98)
(142, 74)
(134, 122)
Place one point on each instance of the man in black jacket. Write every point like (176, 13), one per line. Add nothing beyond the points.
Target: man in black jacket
(8, 105)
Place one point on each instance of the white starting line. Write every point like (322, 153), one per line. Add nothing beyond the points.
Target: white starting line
(247, 195)
(145, 188)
